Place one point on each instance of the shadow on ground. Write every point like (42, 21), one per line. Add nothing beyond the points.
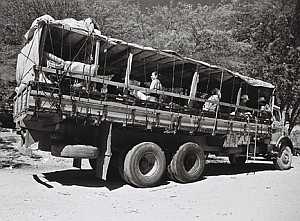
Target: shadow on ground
(217, 169)
(84, 178)
(87, 178)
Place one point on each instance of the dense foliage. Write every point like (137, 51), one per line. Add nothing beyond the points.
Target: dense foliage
(256, 38)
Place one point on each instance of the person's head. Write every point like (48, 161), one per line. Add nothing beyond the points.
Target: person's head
(262, 101)
(154, 75)
(244, 98)
(216, 91)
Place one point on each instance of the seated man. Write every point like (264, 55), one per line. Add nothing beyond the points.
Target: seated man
(263, 106)
(155, 85)
(244, 103)
(215, 97)
(265, 109)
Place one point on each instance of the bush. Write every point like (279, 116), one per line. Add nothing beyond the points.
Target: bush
(17, 16)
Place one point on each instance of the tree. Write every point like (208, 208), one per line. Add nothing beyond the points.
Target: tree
(268, 28)
(16, 16)
(296, 25)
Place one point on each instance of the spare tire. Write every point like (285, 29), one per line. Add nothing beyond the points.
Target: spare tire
(284, 158)
(188, 163)
(144, 165)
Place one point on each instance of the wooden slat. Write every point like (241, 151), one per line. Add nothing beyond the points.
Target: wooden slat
(100, 79)
(118, 112)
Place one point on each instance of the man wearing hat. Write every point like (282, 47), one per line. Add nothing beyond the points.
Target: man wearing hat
(262, 104)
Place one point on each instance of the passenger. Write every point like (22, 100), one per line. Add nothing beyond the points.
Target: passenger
(155, 85)
(262, 105)
(244, 100)
(265, 110)
(244, 103)
(215, 97)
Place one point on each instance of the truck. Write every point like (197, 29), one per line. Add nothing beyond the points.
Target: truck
(76, 96)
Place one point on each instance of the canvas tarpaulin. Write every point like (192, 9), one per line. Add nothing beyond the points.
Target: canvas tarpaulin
(30, 54)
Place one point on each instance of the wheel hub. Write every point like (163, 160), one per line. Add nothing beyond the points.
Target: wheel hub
(285, 157)
(147, 164)
(190, 162)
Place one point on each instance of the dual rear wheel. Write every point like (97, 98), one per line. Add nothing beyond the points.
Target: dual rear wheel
(145, 164)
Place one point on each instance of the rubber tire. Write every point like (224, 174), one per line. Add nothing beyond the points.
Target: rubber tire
(132, 172)
(284, 159)
(236, 160)
(177, 169)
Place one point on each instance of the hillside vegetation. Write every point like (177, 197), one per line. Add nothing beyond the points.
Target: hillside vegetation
(255, 38)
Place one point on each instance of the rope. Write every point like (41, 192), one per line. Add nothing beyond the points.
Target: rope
(62, 43)
(181, 80)
(208, 82)
(181, 76)
(145, 77)
(51, 40)
(232, 91)
(105, 60)
(173, 80)
(77, 53)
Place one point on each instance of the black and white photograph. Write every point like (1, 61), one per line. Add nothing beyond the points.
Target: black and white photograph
(172, 110)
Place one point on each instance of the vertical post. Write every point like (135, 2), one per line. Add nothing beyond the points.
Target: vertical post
(238, 98)
(97, 52)
(248, 138)
(96, 60)
(128, 69)
(273, 101)
(218, 106)
(104, 154)
(255, 137)
(193, 89)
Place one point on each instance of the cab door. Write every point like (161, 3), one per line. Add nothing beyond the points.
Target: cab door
(277, 125)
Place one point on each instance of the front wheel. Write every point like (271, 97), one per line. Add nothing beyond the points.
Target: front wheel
(284, 158)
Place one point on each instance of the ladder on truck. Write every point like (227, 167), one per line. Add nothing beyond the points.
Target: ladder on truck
(253, 154)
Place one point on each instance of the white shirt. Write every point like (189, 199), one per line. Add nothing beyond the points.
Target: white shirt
(155, 85)
(208, 106)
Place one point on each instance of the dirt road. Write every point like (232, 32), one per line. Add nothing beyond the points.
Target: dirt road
(42, 187)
